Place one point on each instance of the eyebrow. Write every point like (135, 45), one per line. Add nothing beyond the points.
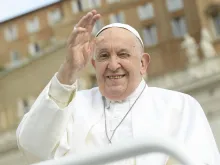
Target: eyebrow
(102, 50)
(123, 50)
(106, 50)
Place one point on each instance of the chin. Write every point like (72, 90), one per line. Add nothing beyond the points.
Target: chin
(115, 95)
(115, 98)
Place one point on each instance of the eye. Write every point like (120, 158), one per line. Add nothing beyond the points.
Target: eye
(123, 55)
(102, 56)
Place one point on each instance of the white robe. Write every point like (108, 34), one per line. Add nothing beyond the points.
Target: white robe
(49, 132)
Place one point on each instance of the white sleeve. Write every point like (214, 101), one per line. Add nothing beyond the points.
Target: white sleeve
(44, 130)
(200, 142)
(61, 94)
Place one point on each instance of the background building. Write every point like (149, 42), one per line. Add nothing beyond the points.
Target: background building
(182, 37)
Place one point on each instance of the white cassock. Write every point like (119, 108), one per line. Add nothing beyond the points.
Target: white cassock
(58, 125)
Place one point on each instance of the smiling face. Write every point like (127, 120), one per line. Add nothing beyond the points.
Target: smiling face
(119, 63)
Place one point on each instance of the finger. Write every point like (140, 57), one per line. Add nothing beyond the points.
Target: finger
(95, 18)
(76, 31)
(92, 49)
(89, 50)
(84, 20)
(79, 29)
(92, 22)
(86, 52)
(94, 12)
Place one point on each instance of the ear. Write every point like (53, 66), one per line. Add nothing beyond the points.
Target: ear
(145, 61)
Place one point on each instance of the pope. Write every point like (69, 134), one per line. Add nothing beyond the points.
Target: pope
(65, 121)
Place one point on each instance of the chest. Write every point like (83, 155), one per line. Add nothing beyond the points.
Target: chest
(146, 117)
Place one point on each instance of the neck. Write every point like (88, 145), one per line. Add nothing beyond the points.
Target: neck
(134, 94)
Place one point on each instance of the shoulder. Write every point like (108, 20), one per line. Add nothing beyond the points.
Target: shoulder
(171, 96)
(88, 93)
(178, 106)
(161, 92)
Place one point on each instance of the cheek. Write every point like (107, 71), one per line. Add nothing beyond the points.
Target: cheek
(100, 70)
(131, 67)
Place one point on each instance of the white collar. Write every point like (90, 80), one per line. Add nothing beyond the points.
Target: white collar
(132, 96)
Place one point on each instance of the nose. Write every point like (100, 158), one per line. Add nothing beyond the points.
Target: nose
(113, 64)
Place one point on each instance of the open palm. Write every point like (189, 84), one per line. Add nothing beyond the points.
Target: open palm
(79, 43)
(80, 47)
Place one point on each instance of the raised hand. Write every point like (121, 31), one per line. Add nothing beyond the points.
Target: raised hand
(80, 47)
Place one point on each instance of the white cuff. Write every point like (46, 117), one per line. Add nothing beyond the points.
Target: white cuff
(61, 93)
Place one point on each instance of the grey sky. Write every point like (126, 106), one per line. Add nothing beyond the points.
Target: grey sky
(12, 8)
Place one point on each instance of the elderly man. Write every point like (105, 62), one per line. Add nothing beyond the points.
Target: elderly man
(66, 121)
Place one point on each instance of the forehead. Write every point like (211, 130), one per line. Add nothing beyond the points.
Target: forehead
(117, 37)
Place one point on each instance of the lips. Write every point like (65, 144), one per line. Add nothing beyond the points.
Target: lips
(116, 76)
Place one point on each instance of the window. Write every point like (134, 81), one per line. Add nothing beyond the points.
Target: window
(11, 33)
(98, 25)
(94, 3)
(24, 106)
(112, 1)
(145, 11)
(80, 5)
(34, 48)
(216, 21)
(3, 119)
(33, 25)
(174, 5)
(150, 35)
(117, 18)
(14, 55)
(178, 26)
(54, 16)
(85, 4)
(76, 6)
(94, 81)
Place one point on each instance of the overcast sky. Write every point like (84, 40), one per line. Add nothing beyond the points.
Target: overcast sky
(12, 8)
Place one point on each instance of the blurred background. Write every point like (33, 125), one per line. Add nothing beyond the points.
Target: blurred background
(182, 37)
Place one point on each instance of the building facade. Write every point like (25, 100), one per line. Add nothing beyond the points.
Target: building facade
(182, 37)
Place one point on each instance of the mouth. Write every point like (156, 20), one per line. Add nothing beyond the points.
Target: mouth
(116, 76)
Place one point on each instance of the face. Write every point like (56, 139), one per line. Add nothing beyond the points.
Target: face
(119, 63)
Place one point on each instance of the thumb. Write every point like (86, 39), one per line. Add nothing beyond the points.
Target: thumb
(88, 51)
(92, 49)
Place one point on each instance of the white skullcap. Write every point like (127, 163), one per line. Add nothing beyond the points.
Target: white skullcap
(121, 25)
